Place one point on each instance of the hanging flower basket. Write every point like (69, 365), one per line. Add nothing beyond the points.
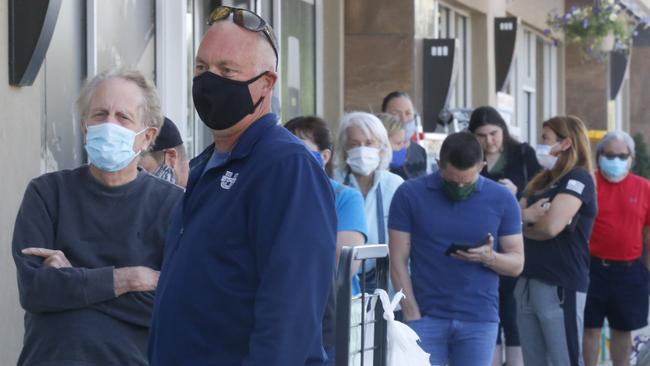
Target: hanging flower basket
(596, 29)
(608, 43)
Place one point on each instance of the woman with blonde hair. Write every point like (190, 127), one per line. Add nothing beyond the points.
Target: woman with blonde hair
(558, 209)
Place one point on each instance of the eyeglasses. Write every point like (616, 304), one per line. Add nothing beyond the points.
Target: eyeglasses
(613, 156)
(247, 20)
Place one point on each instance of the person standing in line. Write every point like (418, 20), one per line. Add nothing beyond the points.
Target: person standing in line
(88, 242)
(398, 142)
(512, 164)
(400, 105)
(167, 159)
(558, 209)
(618, 277)
(351, 227)
(459, 231)
(249, 257)
(361, 158)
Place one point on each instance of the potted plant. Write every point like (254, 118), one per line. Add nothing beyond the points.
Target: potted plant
(596, 29)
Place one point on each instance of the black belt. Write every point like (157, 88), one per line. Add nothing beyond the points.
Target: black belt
(614, 262)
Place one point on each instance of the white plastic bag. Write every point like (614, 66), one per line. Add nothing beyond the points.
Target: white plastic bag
(403, 348)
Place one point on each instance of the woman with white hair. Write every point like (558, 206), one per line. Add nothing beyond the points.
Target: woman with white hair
(361, 160)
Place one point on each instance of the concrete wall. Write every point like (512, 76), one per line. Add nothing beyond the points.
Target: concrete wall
(379, 51)
(586, 84)
(20, 147)
(639, 90)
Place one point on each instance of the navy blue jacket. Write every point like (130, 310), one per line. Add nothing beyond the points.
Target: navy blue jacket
(249, 258)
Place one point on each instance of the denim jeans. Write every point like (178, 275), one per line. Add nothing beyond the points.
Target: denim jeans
(457, 342)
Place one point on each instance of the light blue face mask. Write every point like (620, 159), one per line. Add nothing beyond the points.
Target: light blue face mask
(410, 128)
(615, 168)
(110, 146)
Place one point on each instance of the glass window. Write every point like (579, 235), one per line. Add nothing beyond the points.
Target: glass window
(64, 71)
(298, 50)
(131, 43)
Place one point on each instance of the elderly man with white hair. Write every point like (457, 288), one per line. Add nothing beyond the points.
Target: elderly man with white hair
(88, 242)
(618, 287)
(361, 160)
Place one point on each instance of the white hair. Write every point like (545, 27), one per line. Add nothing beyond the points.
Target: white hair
(615, 136)
(371, 126)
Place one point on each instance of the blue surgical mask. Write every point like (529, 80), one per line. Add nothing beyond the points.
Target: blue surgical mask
(613, 168)
(410, 128)
(318, 157)
(110, 146)
(399, 158)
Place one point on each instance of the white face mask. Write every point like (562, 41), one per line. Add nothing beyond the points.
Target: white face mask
(363, 160)
(544, 156)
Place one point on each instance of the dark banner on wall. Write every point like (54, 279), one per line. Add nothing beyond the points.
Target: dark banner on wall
(438, 72)
(505, 39)
(618, 62)
(31, 24)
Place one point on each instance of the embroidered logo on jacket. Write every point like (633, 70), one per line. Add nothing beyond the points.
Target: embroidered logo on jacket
(228, 179)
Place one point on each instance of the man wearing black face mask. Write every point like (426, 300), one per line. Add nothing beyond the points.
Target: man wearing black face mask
(250, 253)
(452, 300)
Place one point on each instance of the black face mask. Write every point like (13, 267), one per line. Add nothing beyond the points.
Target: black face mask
(221, 102)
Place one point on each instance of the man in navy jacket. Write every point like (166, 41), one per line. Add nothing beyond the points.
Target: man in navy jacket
(249, 258)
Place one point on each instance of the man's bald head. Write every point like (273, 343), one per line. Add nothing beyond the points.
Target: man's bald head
(225, 41)
(235, 53)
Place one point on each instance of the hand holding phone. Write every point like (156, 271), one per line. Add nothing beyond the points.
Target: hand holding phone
(454, 247)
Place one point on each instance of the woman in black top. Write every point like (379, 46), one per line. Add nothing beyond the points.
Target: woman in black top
(512, 164)
(558, 209)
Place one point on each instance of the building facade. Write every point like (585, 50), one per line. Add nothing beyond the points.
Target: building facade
(336, 56)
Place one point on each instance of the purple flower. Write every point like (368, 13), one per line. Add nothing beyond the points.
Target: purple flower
(585, 23)
(635, 33)
(556, 42)
(595, 9)
(566, 17)
(547, 32)
(573, 8)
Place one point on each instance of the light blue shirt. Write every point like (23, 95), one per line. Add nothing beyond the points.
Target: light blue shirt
(389, 183)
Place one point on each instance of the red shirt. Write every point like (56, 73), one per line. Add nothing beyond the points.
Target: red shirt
(623, 212)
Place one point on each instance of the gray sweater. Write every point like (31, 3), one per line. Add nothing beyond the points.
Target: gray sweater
(72, 316)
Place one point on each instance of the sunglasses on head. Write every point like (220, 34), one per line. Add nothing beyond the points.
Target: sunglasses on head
(247, 20)
(613, 156)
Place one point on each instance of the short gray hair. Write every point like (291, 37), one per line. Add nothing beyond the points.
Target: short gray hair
(151, 111)
(371, 126)
(616, 136)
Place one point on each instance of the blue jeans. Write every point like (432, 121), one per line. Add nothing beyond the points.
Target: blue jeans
(460, 343)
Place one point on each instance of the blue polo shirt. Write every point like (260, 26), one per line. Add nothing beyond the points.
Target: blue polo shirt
(445, 287)
(249, 258)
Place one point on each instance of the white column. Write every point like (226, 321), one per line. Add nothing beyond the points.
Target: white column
(171, 60)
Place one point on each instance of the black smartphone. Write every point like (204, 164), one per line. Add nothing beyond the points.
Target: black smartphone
(454, 247)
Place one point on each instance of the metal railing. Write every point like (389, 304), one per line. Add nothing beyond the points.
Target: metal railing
(349, 255)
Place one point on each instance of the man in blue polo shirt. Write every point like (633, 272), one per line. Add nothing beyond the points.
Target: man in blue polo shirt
(452, 294)
(249, 257)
